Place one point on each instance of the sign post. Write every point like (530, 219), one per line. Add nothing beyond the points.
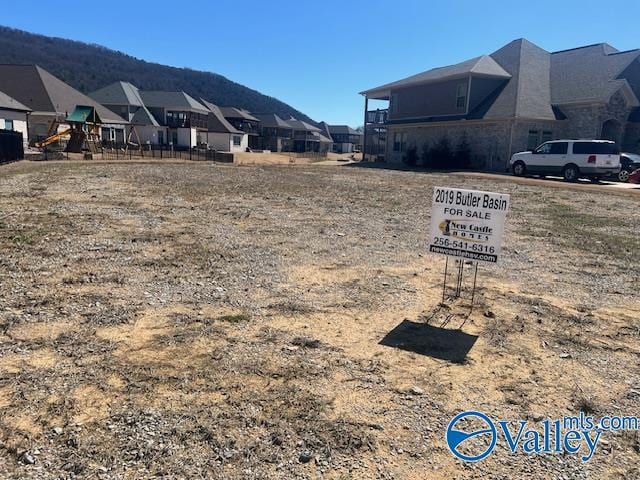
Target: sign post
(467, 225)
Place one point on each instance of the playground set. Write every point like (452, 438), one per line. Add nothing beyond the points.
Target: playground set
(82, 133)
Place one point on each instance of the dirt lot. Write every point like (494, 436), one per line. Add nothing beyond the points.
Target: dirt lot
(206, 321)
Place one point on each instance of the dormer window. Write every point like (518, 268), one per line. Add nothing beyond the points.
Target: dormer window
(461, 95)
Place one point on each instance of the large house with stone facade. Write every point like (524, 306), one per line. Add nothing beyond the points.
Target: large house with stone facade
(509, 101)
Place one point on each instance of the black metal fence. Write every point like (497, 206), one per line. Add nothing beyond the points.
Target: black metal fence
(11, 147)
(157, 152)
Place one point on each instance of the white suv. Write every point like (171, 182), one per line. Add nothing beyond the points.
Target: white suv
(572, 159)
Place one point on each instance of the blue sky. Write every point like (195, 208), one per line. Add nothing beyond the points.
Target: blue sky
(317, 56)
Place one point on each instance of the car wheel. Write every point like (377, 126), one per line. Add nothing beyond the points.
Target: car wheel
(519, 169)
(570, 173)
(623, 175)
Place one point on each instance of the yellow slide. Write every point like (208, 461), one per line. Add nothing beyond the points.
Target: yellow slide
(53, 138)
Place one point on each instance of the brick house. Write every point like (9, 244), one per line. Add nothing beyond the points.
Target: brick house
(509, 101)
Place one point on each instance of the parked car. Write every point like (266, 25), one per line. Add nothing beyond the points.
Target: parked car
(634, 177)
(573, 159)
(628, 163)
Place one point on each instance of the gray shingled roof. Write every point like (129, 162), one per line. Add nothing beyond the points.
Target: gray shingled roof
(217, 122)
(479, 66)
(271, 120)
(343, 129)
(232, 112)
(179, 101)
(321, 138)
(528, 93)
(125, 94)
(302, 126)
(144, 117)
(536, 83)
(9, 103)
(118, 93)
(588, 74)
(324, 127)
(43, 93)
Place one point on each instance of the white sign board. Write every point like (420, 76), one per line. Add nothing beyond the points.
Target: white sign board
(467, 223)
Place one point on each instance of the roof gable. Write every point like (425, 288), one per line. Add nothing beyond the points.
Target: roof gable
(343, 129)
(143, 116)
(483, 65)
(232, 112)
(271, 120)
(302, 126)
(9, 103)
(588, 74)
(42, 92)
(527, 93)
(217, 122)
(324, 128)
(172, 101)
(118, 93)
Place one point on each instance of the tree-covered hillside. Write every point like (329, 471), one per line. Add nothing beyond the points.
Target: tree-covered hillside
(89, 67)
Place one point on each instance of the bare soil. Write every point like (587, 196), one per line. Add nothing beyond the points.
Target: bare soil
(206, 321)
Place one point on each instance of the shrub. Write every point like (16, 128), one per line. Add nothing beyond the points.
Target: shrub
(462, 157)
(425, 154)
(411, 156)
(440, 155)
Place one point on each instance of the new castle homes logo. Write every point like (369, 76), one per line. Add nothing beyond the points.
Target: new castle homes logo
(472, 436)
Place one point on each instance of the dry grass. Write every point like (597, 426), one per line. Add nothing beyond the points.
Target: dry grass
(199, 321)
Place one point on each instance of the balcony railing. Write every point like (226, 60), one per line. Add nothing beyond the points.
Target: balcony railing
(307, 136)
(377, 116)
(250, 128)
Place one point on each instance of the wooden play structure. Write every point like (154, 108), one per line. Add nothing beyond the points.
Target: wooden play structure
(84, 127)
(84, 132)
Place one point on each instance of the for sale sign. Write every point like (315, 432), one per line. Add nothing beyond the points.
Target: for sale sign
(468, 223)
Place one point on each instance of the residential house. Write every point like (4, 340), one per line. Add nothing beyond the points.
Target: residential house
(50, 99)
(511, 100)
(124, 99)
(244, 121)
(307, 138)
(325, 142)
(345, 138)
(221, 135)
(276, 135)
(186, 119)
(14, 117)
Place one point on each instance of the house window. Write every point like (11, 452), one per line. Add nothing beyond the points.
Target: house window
(8, 124)
(461, 95)
(237, 140)
(533, 139)
(399, 141)
(546, 136)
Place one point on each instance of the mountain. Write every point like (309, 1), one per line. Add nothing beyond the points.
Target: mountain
(89, 67)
